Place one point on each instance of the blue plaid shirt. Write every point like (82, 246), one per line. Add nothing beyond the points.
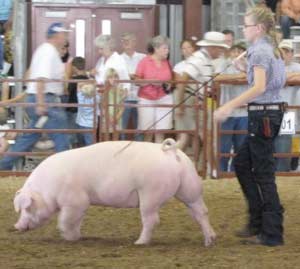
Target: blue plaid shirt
(261, 53)
(5, 9)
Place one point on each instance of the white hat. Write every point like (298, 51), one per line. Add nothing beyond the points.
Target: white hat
(286, 44)
(215, 39)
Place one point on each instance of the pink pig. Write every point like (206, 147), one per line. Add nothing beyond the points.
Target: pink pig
(116, 174)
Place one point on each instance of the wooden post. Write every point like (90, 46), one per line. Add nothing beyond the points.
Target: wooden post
(192, 13)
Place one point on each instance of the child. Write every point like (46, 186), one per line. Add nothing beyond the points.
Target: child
(254, 163)
(78, 72)
(114, 95)
(86, 117)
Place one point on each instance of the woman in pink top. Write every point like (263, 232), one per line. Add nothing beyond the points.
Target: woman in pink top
(155, 66)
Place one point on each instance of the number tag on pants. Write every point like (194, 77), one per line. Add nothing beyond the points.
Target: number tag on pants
(288, 123)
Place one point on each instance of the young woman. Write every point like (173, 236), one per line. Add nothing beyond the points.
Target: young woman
(254, 163)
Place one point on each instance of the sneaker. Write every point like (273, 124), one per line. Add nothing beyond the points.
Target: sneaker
(258, 240)
(246, 232)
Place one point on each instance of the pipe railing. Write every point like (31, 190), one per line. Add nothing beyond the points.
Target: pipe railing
(103, 132)
(217, 89)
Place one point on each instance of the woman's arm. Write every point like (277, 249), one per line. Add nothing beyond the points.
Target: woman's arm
(226, 77)
(223, 112)
(286, 10)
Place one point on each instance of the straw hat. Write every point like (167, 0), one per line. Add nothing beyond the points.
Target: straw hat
(215, 39)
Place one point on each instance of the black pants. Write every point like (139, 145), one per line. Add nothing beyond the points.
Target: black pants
(255, 170)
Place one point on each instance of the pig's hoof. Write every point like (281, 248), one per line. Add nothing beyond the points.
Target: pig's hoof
(141, 242)
(210, 241)
(71, 236)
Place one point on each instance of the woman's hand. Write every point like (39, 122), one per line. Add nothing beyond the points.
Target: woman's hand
(222, 113)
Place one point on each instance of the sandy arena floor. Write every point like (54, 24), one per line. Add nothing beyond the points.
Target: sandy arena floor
(108, 235)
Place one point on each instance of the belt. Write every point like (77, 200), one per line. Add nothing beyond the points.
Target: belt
(265, 107)
(46, 93)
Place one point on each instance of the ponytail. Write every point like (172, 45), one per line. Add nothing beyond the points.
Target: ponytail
(274, 40)
(264, 15)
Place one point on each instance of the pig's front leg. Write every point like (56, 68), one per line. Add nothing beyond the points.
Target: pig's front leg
(199, 211)
(69, 222)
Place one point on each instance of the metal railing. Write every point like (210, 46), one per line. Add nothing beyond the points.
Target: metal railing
(219, 132)
(105, 133)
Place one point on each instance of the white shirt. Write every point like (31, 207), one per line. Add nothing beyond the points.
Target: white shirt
(180, 67)
(199, 67)
(85, 115)
(132, 63)
(290, 94)
(46, 63)
(117, 62)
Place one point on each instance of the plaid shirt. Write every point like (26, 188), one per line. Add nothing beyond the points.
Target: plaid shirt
(261, 54)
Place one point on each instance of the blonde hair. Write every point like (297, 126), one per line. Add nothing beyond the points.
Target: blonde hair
(263, 15)
(111, 72)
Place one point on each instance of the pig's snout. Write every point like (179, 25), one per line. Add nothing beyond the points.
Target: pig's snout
(21, 227)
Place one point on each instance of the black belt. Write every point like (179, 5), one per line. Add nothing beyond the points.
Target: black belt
(270, 106)
(46, 93)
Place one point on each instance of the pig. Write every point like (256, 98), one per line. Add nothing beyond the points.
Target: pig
(118, 174)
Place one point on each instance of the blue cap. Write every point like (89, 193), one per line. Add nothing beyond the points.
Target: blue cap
(56, 27)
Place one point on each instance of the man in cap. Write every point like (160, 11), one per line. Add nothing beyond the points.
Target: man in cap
(46, 64)
(199, 67)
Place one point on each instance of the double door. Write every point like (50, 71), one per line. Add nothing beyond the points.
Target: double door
(87, 22)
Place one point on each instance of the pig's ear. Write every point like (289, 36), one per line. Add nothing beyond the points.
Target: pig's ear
(22, 201)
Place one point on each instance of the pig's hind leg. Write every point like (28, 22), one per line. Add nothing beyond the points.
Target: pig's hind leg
(199, 212)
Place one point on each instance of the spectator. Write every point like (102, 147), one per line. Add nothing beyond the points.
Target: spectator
(200, 68)
(109, 58)
(78, 71)
(67, 60)
(8, 53)
(85, 118)
(114, 95)
(229, 37)
(238, 120)
(132, 58)
(283, 143)
(187, 120)
(155, 66)
(46, 63)
(5, 14)
(290, 15)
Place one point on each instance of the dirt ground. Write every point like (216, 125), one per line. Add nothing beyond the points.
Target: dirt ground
(108, 235)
